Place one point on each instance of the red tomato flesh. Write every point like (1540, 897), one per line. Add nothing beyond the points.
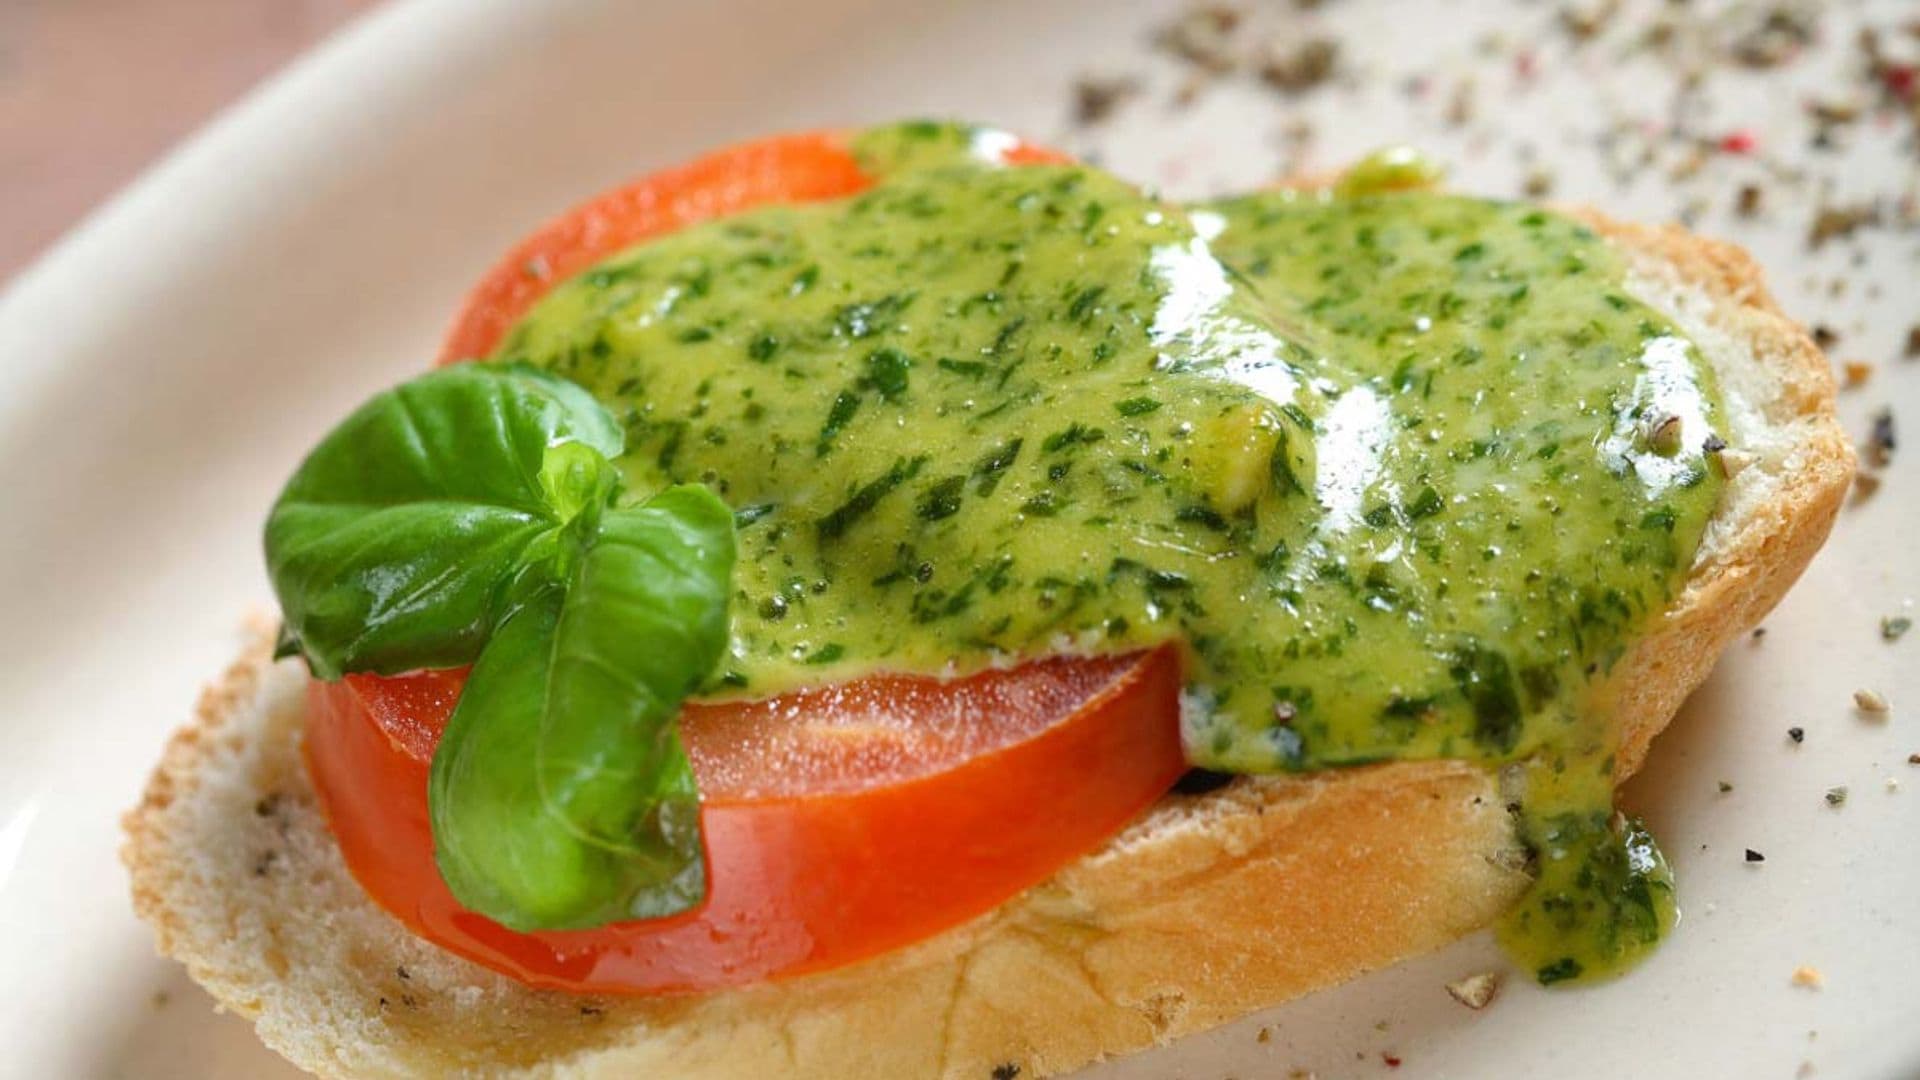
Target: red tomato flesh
(839, 823)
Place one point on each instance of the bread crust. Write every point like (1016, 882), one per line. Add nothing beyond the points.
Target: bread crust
(1205, 909)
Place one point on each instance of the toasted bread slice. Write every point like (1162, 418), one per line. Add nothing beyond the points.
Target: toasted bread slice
(1205, 909)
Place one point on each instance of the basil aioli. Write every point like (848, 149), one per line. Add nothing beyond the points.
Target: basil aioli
(1402, 473)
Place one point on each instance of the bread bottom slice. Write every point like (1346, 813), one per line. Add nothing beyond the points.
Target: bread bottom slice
(1205, 909)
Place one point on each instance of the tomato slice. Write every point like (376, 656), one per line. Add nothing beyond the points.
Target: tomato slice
(804, 167)
(839, 822)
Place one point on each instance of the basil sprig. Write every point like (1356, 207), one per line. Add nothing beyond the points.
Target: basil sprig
(474, 516)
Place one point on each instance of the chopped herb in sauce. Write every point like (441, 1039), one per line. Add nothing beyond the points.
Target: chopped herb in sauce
(1402, 473)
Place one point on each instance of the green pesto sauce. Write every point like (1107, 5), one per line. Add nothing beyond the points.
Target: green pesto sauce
(1404, 474)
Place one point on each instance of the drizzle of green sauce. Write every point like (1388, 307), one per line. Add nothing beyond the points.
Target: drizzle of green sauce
(1384, 463)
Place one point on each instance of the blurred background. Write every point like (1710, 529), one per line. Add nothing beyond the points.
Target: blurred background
(91, 91)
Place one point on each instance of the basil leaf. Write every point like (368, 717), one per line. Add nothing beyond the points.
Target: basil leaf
(560, 795)
(469, 516)
(391, 547)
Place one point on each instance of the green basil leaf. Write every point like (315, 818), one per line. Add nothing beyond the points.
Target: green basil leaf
(560, 795)
(392, 546)
(469, 516)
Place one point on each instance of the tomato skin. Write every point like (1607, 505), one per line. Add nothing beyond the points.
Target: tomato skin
(797, 168)
(802, 167)
(796, 882)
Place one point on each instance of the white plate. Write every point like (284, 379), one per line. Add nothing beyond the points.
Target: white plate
(165, 366)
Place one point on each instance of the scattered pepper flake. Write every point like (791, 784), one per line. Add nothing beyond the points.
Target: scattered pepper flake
(1006, 1071)
(1837, 222)
(1900, 80)
(1825, 336)
(1658, 34)
(1202, 35)
(1913, 758)
(1747, 203)
(1738, 142)
(1265, 1035)
(1292, 69)
(1758, 633)
(1392, 1059)
(1771, 37)
(1539, 183)
(1913, 342)
(1475, 991)
(1857, 372)
(1872, 702)
(1797, 734)
(1881, 440)
(1808, 977)
(1837, 796)
(1095, 97)
(1755, 857)
(1725, 787)
(1894, 627)
(1836, 110)
(1585, 24)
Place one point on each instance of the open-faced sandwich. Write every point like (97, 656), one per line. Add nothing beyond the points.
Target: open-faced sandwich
(904, 603)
